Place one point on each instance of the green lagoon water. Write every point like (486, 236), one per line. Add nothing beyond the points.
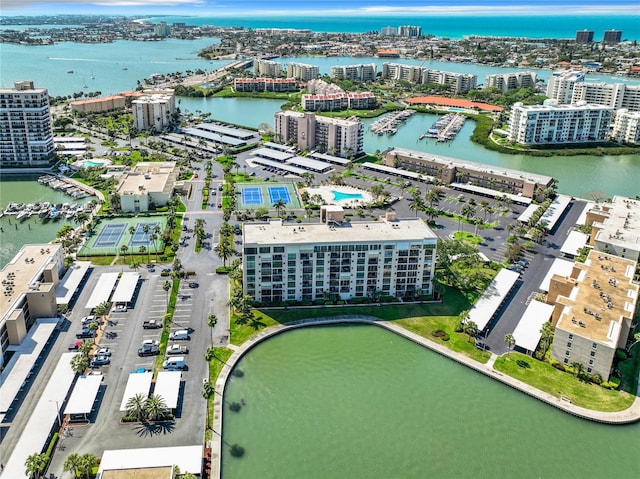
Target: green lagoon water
(361, 402)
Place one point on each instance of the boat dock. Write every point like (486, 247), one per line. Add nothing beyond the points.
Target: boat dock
(389, 123)
(65, 185)
(446, 128)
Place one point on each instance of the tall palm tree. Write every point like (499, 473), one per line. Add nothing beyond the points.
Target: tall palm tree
(280, 206)
(167, 287)
(225, 251)
(578, 368)
(123, 250)
(470, 328)
(510, 341)
(142, 249)
(467, 212)
(35, 465)
(135, 407)
(79, 363)
(74, 464)
(546, 336)
(416, 204)
(153, 239)
(155, 407)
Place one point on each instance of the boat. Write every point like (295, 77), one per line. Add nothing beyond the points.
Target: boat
(125, 68)
(70, 71)
(22, 215)
(54, 214)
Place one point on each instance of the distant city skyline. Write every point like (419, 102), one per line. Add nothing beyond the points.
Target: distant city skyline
(327, 7)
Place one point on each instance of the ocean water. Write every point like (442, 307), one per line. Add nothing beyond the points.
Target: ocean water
(440, 26)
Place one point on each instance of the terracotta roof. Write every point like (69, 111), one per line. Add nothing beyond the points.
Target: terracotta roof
(455, 102)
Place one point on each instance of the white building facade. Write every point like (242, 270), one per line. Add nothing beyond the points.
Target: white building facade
(551, 123)
(26, 136)
(153, 110)
(302, 71)
(560, 85)
(511, 81)
(293, 262)
(615, 95)
(354, 72)
(626, 127)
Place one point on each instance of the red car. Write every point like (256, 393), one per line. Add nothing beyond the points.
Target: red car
(75, 345)
(219, 205)
(196, 175)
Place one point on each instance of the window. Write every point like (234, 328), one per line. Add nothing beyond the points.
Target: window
(566, 361)
(590, 362)
(589, 370)
(569, 344)
(594, 345)
(567, 352)
(593, 353)
(570, 336)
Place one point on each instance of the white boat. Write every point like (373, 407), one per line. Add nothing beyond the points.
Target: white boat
(22, 214)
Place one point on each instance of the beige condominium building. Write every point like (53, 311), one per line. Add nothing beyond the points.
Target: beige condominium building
(28, 284)
(26, 136)
(594, 308)
(615, 227)
(148, 183)
(363, 72)
(626, 126)
(615, 95)
(509, 81)
(153, 109)
(459, 82)
(303, 262)
(302, 71)
(337, 136)
(450, 170)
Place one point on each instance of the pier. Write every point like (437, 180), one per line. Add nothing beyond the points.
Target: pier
(446, 128)
(390, 122)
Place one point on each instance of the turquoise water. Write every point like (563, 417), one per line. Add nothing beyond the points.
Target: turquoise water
(90, 163)
(361, 402)
(339, 195)
(450, 26)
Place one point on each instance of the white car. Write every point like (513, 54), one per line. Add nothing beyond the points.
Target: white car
(152, 342)
(103, 352)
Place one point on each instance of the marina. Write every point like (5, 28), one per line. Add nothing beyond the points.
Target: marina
(44, 210)
(389, 123)
(446, 128)
(60, 183)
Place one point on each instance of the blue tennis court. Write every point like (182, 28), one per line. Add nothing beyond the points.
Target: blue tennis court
(251, 196)
(279, 193)
(139, 237)
(110, 235)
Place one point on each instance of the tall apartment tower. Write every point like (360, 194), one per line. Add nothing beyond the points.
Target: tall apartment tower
(26, 137)
(388, 31)
(584, 36)
(153, 110)
(409, 31)
(612, 36)
(302, 71)
(560, 85)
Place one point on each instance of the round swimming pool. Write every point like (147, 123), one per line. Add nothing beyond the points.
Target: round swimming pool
(341, 195)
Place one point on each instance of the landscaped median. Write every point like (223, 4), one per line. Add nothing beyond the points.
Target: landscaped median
(543, 376)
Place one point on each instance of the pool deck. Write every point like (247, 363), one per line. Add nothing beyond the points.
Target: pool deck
(327, 193)
(627, 416)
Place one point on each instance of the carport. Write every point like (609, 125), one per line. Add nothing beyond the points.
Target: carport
(138, 383)
(168, 387)
(126, 288)
(489, 193)
(561, 267)
(71, 281)
(574, 243)
(83, 396)
(309, 164)
(412, 175)
(278, 166)
(527, 333)
(102, 290)
(485, 308)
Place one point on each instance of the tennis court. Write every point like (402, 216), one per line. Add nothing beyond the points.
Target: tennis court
(251, 196)
(110, 235)
(277, 193)
(139, 237)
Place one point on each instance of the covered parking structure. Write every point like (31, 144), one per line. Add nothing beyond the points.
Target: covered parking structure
(279, 166)
(188, 459)
(574, 243)
(489, 193)
(138, 383)
(248, 136)
(555, 211)
(270, 154)
(213, 137)
(561, 267)
(280, 147)
(168, 387)
(67, 288)
(126, 288)
(83, 397)
(489, 303)
(330, 159)
(102, 290)
(412, 175)
(528, 331)
(310, 164)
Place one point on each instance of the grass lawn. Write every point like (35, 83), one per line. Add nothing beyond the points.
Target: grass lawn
(99, 260)
(215, 366)
(557, 383)
(421, 319)
(467, 237)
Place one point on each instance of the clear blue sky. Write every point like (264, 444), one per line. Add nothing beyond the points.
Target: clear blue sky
(291, 7)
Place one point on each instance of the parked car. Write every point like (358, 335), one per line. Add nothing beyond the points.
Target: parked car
(193, 284)
(85, 333)
(120, 307)
(523, 262)
(174, 363)
(237, 229)
(152, 324)
(103, 352)
(89, 319)
(75, 345)
(220, 187)
(166, 270)
(148, 350)
(100, 361)
(177, 349)
(180, 335)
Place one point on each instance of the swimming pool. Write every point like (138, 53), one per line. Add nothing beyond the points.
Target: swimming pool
(340, 195)
(455, 108)
(90, 163)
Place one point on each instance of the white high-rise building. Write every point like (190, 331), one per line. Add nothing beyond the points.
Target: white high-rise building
(561, 84)
(302, 72)
(283, 262)
(153, 110)
(552, 123)
(26, 136)
(626, 127)
(267, 68)
(409, 31)
(615, 95)
(510, 81)
(354, 72)
(459, 82)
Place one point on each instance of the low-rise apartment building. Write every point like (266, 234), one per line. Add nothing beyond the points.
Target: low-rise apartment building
(28, 284)
(337, 136)
(339, 101)
(552, 123)
(450, 170)
(459, 82)
(283, 262)
(265, 84)
(511, 81)
(594, 308)
(354, 72)
(615, 227)
(149, 183)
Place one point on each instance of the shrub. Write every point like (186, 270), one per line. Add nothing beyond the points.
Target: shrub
(621, 354)
(558, 365)
(439, 333)
(596, 379)
(459, 328)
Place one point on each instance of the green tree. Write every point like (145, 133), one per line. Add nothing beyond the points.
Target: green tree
(88, 461)
(135, 408)
(546, 336)
(510, 341)
(471, 329)
(167, 287)
(86, 347)
(212, 320)
(35, 465)
(79, 363)
(416, 204)
(74, 464)
(467, 212)
(280, 206)
(155, 407)
(102, 309)
(142, 250)
(225, 251)
(578, 368)
(123, 250)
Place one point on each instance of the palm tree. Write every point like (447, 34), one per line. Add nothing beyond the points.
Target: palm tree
(212, 320)
(153, 239)
(85, 348)
(467, 212)
(177, 268)
(416, 204)
(471, 329)
(510, 341)
(280, 206)
(546, 336)
(93, 327)
(578, 368)
(79, 363)
(102, 309)
(225, 251)
(155, 407)
(35, 465)
(142, 250)
(135, 407)
(132, 230)
(167, 287)
(74, 464)
(123, 250)
(88, 461)
(432, 197)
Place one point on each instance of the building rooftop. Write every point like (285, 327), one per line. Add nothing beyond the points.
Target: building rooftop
(622, 225)
(602, 295)
(18, 276)
(275, 232)
(148, 177)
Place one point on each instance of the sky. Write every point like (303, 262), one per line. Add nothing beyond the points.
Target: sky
(327, 7)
